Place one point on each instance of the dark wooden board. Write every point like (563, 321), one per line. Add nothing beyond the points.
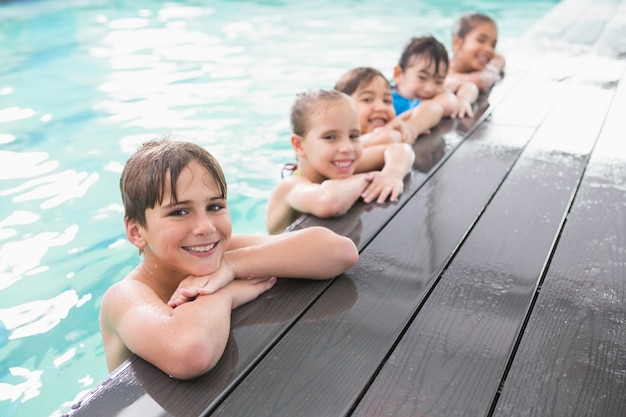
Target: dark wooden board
(451, 360)
(572, 358)
(394, 274)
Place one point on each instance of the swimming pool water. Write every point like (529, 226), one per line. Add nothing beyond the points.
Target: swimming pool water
(83, 83)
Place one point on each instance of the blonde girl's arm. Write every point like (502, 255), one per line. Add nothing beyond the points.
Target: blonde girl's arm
(389, 183)
(399, 158)
(331, 198)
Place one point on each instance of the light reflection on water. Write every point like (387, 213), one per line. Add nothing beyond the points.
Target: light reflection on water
(83, 84)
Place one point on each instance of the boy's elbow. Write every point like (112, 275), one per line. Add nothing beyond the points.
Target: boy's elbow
(350, 254)
(191, 361)
(344, 251)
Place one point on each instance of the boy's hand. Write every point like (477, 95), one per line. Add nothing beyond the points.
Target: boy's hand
(382, 186)
(246, 290)
(193, 286)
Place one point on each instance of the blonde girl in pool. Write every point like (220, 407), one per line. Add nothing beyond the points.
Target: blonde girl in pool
(333, 169)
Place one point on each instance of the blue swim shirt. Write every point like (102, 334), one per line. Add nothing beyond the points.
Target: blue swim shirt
(402, 104)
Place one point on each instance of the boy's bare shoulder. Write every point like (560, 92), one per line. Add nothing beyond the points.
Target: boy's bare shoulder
(128, 291)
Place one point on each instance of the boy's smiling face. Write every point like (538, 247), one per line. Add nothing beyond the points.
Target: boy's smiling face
(374, 104)
(188, 236)
(419, 80)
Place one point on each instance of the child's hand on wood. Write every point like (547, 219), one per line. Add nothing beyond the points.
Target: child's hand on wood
(193, 286)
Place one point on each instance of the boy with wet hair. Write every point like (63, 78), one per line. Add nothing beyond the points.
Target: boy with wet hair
(173, 310)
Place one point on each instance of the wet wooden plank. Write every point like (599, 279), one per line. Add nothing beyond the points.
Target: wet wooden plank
(454, 355)
(394, 274)
(572, 358)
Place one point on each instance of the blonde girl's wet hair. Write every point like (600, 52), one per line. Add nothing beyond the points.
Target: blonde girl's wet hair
(467, 22)
(156, 164)
(310, 101)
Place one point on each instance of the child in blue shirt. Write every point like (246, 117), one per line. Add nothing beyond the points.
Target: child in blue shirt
(420, 75)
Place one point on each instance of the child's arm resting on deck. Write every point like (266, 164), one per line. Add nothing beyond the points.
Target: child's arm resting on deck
(313, 253)
(484, 79)
(331, 198)
(183, 342)
(419, 120)
(467, 93)
(389, 182)
(385, 134)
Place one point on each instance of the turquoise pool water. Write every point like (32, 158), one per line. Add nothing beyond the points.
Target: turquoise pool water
(83, 83)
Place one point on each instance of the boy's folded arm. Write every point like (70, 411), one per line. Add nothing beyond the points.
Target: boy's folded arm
(425, 116)
(314, 253)
(174, 340)
(185, 341)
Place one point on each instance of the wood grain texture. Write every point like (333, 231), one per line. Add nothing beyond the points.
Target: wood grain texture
(394, 274)
(454, 355)
(572, 358)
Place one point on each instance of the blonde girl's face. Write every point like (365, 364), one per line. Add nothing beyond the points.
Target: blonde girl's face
(475, 51)
(374, 104)
(190, 236)
(420, 81)
(332, 146)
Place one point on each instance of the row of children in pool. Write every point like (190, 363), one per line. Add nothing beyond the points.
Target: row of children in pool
(173, 310)
(354, 141)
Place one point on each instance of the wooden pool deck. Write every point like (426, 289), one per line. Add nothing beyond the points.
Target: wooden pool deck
(496, 286)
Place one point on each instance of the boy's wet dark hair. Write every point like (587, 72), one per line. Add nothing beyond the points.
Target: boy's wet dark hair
(426, 47)
(148, 170)
(308, 102)
(353, 79)
(467, 22)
